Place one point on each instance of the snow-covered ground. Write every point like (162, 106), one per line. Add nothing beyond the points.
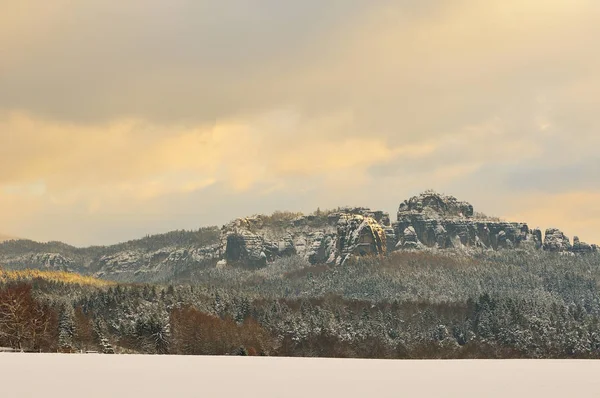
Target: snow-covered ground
(93, 375)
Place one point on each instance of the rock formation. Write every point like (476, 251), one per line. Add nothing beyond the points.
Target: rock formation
(359, 235)
(427, 221)
(330, 238)
(556, 241)
(582, 247)
(432, 220)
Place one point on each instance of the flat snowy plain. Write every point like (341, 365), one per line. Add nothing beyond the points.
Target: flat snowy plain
(94, 375)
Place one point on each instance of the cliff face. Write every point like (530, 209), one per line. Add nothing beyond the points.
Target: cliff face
(330, 238)
(432, 220)
(426, 221)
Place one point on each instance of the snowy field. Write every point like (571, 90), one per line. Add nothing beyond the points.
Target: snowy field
(92, 375)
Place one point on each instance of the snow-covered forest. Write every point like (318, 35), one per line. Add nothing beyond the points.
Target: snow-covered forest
(505, 304)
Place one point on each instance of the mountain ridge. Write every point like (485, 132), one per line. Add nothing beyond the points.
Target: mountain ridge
(428, 221)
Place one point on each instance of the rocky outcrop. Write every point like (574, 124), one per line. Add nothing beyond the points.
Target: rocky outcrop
(434, 204)
(432, 220)
(51, 260)
(55, 261)
(409, 239)
(582, 247)
(429, 221)
(556, 241)
(153, 265)
(257, 240)
(245, 247)
(326, 238)
(359, 235)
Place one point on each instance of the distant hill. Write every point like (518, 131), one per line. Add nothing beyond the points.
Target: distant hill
(152, 258)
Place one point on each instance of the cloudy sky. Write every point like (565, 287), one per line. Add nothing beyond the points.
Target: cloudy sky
(122, 118)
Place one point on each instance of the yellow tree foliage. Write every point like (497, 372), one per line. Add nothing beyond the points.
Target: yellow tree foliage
(72, 278)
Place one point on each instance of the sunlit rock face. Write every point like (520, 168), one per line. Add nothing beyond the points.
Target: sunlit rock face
(359, 235)
(433, 220)
(320, 239)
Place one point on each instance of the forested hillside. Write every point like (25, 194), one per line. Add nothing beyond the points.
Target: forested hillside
(406, 305)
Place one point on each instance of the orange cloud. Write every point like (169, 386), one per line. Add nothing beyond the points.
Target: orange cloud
(576, 213)
(135, 160)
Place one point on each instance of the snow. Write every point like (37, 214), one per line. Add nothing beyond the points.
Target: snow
(97, 375)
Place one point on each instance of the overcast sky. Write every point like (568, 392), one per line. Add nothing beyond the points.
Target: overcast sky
(123, 118)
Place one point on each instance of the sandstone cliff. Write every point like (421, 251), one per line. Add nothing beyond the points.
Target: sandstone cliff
(328, 238)
(433, 220)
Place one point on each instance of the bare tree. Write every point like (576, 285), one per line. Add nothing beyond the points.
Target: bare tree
(26, 324)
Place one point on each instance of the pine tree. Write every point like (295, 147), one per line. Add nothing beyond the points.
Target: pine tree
(66, 327)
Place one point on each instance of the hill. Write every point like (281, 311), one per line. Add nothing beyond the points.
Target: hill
(426, 222)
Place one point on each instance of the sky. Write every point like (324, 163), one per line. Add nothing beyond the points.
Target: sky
(125, 118)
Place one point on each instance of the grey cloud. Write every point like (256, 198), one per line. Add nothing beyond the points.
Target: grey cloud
(581, 175)
(163, 60)
(211, 206)
(201, 61)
